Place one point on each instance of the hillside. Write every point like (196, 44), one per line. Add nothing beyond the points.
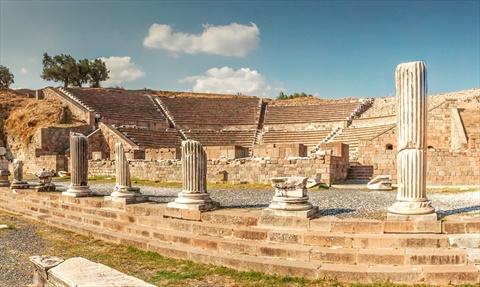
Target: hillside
(21, 117)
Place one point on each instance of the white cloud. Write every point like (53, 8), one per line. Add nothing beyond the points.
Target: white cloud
(234, 40)
(227, 81)
(121, 70)
(23, 70)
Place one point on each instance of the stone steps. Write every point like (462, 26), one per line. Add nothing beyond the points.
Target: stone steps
(313, 248)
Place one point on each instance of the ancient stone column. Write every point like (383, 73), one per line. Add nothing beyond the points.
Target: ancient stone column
(290, 198)
(411, 84)
(123, 186)
(18, 182)
(79, 166)
(194, 179)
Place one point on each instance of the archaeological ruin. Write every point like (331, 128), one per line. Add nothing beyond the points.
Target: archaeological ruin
(409, 142)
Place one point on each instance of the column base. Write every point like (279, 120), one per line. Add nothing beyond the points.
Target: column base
(193, 201)
(4, 183)
(125, 192)
(78, 191)
(412, 208)
(45, 188)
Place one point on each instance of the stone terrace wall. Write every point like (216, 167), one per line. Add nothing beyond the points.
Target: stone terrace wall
(328, 169)
(76, 109)
(444, 167)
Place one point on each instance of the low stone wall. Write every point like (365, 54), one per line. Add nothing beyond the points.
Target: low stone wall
(325, 168)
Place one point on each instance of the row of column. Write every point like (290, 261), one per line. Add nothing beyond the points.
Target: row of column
(290, 193)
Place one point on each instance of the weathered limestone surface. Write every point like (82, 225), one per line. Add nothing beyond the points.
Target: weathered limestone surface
(45, 183)
(380, 182)
(79, 165)
(123, 190)
(290, 198)
(18, 182)
(194, 195)
(78, 271)
(411, 128)
(4, 172)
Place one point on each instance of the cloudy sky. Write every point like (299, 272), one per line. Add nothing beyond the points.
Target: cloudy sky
(331, 49)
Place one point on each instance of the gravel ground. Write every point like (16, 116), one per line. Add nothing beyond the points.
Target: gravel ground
(340, 201)
(16, 245)
(19, 243)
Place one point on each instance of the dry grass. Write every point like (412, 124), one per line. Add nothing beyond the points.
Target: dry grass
(16, 107)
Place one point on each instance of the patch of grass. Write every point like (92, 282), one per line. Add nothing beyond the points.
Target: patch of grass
(159, 270)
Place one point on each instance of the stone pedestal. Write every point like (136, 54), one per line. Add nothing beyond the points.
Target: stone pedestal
(79, 166)
(290, 198)
(18, 182)
(4, 182)
(123, 191)
(45, 183)
(412, 136)
(4, 172)
(194, 195)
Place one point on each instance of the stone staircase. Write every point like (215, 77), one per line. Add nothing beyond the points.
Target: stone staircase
(350, 250)
(359, 173)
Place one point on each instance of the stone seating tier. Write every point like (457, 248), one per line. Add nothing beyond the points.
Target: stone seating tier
(350, 250)
(352, 136)
(152, 138)
(235, 111)
(309, 113)
(243, 138)
(306, 137)
(119, 104)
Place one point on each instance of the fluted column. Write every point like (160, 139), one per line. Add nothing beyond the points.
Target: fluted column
(194, 178)
(79, 166)
(411, 84)
(123, 186)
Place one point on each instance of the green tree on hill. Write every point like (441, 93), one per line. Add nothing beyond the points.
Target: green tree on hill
(60, 68)
(6, 78)
(64, 68)
(98, 73)
(283, 96)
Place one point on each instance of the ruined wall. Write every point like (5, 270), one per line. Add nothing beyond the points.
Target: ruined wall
(47, 162)
(327, 169)
(55, 140)
(280, 150)
(77, 110)
(445, 167)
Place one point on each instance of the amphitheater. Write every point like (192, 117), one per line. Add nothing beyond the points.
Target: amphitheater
(249, 139)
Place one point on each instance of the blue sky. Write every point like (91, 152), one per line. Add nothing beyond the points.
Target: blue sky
(331, 49)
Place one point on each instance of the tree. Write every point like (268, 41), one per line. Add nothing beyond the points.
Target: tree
(98, 73)
(82, 75)
(64, 68)
(283, 96)
(6, 78)
(61, 68)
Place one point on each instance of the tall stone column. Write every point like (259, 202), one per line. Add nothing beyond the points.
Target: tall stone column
(194, 195)
(123, 186)
(79, 166)
(411, 84)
